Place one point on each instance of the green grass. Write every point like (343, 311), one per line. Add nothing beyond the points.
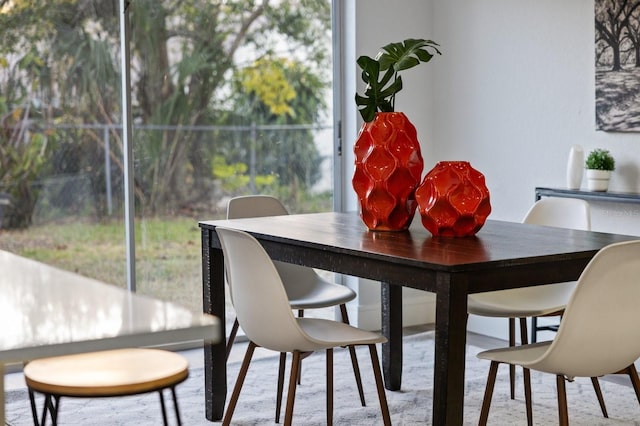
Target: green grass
(167, 254)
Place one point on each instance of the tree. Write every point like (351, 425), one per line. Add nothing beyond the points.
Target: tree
(279, 91)
(633, 35)
(611, 22)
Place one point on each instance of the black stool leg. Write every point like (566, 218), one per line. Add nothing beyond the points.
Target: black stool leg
(50, 406)
(53, 407)
(175, 405)
(164, 411)
(34, 411)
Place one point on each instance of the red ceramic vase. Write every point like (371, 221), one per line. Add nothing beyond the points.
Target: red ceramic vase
(388, 169)
(453, 199)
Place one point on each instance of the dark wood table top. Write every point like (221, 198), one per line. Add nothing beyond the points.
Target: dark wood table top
(498, 245)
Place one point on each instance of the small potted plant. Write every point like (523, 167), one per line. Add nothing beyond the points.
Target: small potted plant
(599, 165)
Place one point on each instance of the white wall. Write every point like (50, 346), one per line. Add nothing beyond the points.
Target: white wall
(513, 90)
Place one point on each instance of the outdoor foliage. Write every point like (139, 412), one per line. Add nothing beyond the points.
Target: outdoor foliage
(208, 78)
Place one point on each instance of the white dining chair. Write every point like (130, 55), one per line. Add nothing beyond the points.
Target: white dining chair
(545, 300)
(263, 311)
(598, 333)
(305, 288)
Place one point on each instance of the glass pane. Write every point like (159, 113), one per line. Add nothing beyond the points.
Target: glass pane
(229, 98)
(60, 144)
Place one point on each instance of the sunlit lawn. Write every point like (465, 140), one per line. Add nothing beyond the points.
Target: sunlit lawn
(167, 254)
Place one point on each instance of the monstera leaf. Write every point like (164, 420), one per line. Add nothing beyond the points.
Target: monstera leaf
(381, 90)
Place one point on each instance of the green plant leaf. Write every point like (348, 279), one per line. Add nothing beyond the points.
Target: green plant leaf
(408, 54)
(380, 93)
(375, 96)
(600, 159)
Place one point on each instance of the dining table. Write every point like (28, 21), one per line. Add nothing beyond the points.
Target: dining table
(502, 255)
(46, 311)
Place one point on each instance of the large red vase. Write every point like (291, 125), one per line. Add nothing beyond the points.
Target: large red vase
(388, 169)
(453, 199)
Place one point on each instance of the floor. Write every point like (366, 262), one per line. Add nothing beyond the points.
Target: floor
(15, 380)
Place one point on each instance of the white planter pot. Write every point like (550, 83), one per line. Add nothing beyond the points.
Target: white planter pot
(598, 180)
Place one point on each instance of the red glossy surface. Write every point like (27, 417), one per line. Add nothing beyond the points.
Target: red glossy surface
(453, 199)
(388, 169)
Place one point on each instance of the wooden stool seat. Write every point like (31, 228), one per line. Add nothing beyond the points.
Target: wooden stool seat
(105, 374)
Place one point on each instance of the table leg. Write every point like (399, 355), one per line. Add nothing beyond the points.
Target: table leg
(215, 366)
(391, 305)
(450, 343)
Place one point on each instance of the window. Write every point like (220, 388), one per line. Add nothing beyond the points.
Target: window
(227, 98)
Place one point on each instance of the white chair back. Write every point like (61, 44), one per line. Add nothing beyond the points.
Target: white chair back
(570, 213)
(599, 332)
(254, 206)
(265, 205)
(259, 298)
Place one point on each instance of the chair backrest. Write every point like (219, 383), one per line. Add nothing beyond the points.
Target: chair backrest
(569, 213)
(599, 332)
(254, 206)
(259, 298)
(297, 279)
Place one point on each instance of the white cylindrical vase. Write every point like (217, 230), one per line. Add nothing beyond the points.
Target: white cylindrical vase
(575, 167)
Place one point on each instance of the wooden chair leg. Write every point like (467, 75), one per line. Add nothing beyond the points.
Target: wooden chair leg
(527, 395)
(524, 339)
(524, 334)
(232, 337)
(354, 358)
(301, 315)
(329, 386)
(283, 361)
(239, 382)
(635, 381)
(563, 414)
(295, 367)
(512, 368)
(596, 388)
(382, 396)
(488, 393)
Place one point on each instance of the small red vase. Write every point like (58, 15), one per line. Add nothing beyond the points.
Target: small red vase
(388, 168)
(453, 199)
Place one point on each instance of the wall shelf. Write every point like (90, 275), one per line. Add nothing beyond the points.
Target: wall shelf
(618, 197)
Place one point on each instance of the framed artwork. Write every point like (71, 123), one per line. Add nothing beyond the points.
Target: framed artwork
(617, 65)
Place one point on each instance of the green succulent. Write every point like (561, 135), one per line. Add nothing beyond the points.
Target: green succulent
(381, 90)
(600, 159)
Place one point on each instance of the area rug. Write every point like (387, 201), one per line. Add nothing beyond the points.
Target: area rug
(410, 406)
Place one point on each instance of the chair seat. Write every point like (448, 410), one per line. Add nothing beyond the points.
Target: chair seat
(520, 355)
(107, 373)
(329, 334)
(321, 295)
(522, 302)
